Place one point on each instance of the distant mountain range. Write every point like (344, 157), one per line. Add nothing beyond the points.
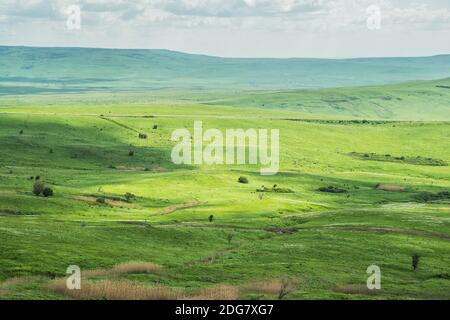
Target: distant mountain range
(26, 70)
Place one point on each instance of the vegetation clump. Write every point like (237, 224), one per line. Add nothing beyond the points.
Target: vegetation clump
(332, 189)
(101, 200)
(129, 197)
(142, 136)
(48, 192)
(39, 188)
(275, 189)
(418, 160)
(415, 261)
(429, 196)
(243, 180)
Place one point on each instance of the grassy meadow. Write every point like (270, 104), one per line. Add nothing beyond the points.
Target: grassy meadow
(364, 172)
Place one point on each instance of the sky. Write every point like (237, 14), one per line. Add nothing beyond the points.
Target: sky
(234, 28)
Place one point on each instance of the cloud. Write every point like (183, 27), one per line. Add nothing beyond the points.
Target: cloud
(262, 23)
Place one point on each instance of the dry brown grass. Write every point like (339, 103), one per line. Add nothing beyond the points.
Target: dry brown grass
(127, 290)
(390, 188)
(186, 205)
(113, 203)
(115, 290)
(264, 287)
(221, 292)
(356, 289)
(136, 267)
(126, 267)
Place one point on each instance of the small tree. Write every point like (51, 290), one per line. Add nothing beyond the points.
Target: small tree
(38, 188)
(415, 261)
(131, 153)
(211, 218)
(230, 237)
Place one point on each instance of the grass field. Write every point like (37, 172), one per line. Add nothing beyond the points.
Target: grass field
(385, 148)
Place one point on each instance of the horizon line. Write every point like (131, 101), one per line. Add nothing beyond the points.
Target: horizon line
(224, 57)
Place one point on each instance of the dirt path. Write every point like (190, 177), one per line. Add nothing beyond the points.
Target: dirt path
(176, 207)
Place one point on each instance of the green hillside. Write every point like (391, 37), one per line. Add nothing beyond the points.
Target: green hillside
(25, 70)
(423, 100)
(322, 242)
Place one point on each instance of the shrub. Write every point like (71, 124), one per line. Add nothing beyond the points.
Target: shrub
(48, 192)
(415, 261)
(229, 237)
(332, 189)
(287, 286)
(21, 132)
(142, 136)
(429, 196)
(155, 126)
(101, 200)
(38, 188)
(129, 196)
(131, 153)
(243, 180)
(211, 218)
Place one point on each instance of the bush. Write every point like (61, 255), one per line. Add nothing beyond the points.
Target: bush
(332, 189)
(142, 136)
(101, 200)
(155, 127)
(48, 192)
(243, 180)
(429, 196)
(415, 261)
(38, 188)
(211, 218)
(129, 197)
(131, 153)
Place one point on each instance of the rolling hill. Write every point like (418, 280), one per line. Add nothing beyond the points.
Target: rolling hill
(26, 70)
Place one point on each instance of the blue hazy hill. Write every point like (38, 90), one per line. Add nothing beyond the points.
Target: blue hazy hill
(35, 70)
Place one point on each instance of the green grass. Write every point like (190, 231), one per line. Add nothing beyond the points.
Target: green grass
(337, 235)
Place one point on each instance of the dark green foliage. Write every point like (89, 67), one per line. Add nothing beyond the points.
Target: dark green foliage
(275, 189)
(429, 196)
(48, 192)
(101, 200)
(21, 132)
(131, 153)
(38, 188)
(332, 189)
(243, 180)
(229, 237)
(211, 218)
(142, 136)
(129, 197)
(155, 126)
(415, 261)
(418, 160)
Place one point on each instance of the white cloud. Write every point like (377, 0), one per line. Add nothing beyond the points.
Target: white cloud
(156, 23)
